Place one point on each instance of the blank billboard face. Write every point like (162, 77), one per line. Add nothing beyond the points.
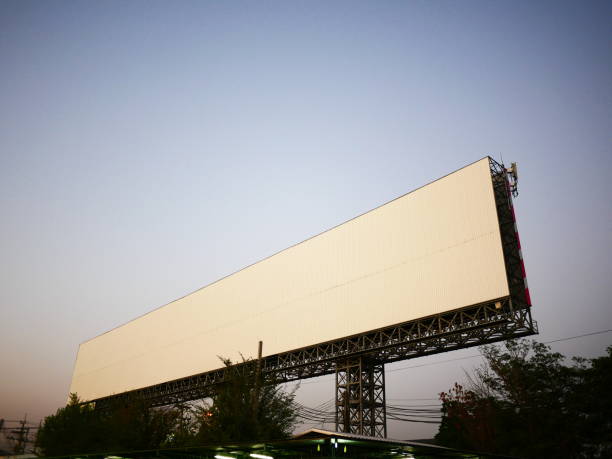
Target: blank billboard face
(432, 250)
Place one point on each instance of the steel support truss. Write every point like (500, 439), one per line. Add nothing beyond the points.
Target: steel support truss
(480, 324)
(509, 237)
(360, 397)
(358, 360)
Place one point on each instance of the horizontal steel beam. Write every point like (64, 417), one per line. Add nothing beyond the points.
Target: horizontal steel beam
(481, 324)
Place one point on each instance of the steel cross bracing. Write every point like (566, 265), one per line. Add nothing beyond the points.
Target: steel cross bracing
(481, 324)
(509, 236)
(360, 397)
(500, 319)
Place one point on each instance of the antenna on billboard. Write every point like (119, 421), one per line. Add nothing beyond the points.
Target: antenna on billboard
(513, 178)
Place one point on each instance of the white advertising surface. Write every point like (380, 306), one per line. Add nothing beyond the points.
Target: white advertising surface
(435, 249)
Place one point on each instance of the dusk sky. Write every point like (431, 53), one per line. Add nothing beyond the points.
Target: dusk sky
(150, 148)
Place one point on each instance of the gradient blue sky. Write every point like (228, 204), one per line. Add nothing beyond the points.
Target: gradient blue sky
(149, 148)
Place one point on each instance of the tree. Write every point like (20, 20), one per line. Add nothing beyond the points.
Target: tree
(72, 429)
(246, 408)
(79, 428)
(137, 426)
(525, 401)
(593, 403)
(468, 420)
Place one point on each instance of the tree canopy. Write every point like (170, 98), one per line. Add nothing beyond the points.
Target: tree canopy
(527, 401)
(79, 428)
(244, 408)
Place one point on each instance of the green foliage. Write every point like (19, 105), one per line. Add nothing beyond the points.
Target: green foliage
(526, 402)
(78, 428)
(72, 429)
(468, 420)
(593, 405)
(244, 408)
(137, 426)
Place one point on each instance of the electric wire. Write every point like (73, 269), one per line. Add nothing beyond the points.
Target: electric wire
(324, 414)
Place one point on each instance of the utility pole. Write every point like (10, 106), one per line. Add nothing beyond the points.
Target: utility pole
(257, 381)
(259, 353)
(20, 435)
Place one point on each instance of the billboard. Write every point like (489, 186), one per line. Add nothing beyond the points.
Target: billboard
(435, 249)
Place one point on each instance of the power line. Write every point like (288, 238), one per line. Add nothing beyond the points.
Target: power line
(325, 414)
(578, 336)
(433, 363)
(34, 424)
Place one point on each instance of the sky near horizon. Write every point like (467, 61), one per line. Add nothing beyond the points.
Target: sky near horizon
(150, 148)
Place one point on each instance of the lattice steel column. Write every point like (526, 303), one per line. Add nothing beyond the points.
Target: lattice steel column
(360, 397)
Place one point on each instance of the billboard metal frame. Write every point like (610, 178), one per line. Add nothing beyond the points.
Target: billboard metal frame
(474, 326)
(496, 320)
